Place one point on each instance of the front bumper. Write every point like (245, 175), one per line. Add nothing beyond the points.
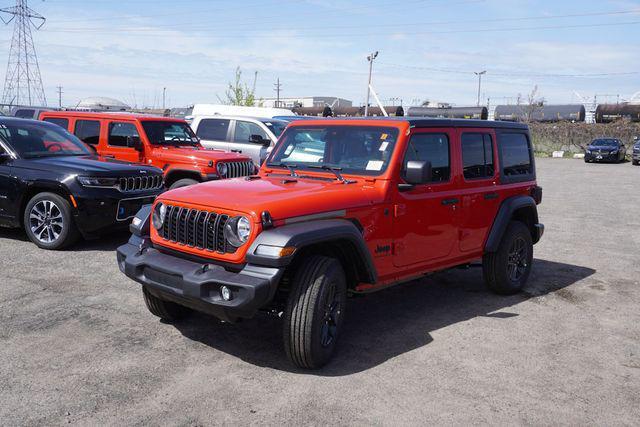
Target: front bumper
(601, 157)
(197, 285)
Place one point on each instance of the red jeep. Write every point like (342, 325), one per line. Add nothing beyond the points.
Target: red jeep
(166, 143)
(341, 207)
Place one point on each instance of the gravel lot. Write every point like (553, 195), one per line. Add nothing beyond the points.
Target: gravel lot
(78, 346)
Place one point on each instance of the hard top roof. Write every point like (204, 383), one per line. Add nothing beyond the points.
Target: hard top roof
(121, 115)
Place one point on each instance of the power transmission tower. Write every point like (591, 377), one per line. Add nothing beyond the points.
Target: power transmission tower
(277, 88)
(23, 84)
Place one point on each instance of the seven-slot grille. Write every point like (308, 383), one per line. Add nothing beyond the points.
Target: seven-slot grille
(236, 169)
(139, 183)
(195, 228)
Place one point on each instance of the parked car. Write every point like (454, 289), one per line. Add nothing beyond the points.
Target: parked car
(250, 136)
(384, 202)
(635, 157)
(238, 110)
(54, 185)
(29, 112)
(164, 142)
(605, 150)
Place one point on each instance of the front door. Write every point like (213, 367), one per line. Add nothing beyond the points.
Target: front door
(120, 138)
(243, 130)
(425, 225)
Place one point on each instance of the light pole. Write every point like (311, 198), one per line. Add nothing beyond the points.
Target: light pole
(479, 74)
(370, 58)
(164, 97)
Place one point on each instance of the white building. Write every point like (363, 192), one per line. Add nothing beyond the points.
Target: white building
(306, 101)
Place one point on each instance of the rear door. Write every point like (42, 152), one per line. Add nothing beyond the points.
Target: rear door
(425, 225)
(214, 133)
(480, 199)
(120, 135)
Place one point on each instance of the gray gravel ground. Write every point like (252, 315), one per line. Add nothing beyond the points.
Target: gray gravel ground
(77, 344)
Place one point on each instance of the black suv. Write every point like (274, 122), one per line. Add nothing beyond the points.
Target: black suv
(605, 150)
(58, 189)
(635, 156)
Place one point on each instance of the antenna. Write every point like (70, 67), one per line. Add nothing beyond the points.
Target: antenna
(23, 83)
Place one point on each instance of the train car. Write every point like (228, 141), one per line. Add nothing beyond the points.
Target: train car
(544, 113)
(607, 113)
(327, 111)
(479, 113)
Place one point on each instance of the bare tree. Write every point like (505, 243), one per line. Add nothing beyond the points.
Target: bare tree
(239, 93)
(534, 105)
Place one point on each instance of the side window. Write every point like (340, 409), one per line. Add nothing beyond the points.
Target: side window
(120, 133)
(431, 147)
(63, 123)
(244, 130)
(477, 155)
(516, 154)
(88, 131)
(213, 129)
(25, 114)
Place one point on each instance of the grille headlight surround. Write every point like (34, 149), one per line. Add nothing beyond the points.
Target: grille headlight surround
(237, 231)
(158, 215)
(222, 169)
(99, 182)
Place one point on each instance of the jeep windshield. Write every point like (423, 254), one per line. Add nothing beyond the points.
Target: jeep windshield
(357, 150)
(169, 133)
(36, 139)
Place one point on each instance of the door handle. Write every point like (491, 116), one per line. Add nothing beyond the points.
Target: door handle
(490, 196)
(453, 201)
(236, 151)
(109, 156)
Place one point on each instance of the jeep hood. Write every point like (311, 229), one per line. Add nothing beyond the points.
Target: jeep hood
(195, 155)
(282, 198)
(101, 166)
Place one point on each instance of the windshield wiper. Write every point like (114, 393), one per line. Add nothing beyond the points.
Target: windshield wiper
(292, 168)
(336, 171)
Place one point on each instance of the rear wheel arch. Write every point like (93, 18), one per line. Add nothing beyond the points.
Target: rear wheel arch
(517, 208)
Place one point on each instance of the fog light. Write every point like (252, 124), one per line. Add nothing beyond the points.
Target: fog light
(225, 293)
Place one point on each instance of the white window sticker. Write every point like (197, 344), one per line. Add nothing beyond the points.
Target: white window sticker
(383, 146)
(374, 165)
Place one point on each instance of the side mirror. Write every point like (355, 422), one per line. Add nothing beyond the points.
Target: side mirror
(418, 172)
(258, 139)
(134, 142)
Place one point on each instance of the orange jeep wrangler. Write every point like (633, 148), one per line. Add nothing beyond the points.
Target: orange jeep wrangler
(166, 143)
(340, 207)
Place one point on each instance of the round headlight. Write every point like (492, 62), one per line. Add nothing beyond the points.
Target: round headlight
(159, 212)
(222, 169)
(237, 231)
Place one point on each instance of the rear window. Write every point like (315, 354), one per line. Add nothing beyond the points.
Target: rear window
(88, 131)
(213, 129)
(516, 155)
(63, 123)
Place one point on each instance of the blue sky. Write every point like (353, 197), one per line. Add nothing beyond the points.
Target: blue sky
(428, 48)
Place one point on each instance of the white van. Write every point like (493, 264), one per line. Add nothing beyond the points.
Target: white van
(251, 136)
(235, 110)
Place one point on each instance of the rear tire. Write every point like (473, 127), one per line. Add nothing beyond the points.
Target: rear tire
(166, 310)
(507, 270)
(315, 312)
(185, 182)
(48, 222)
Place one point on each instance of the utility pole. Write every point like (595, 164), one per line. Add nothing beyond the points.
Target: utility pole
(277, 89)
(370, 58)
(59, 96)
(479, 74)
(164, 97)
(23, 84)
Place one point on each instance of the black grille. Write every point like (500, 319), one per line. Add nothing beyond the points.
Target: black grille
(236, 169)
(140, 183)
(195, 228)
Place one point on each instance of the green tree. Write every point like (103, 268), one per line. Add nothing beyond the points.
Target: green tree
(239, 93)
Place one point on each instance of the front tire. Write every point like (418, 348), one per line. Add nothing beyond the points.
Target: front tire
(165, 310)
(185, 182)
(315, 311)
(48, 222)
(507, 270)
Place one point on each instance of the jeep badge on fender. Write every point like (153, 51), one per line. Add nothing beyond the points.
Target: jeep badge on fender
(341, 207)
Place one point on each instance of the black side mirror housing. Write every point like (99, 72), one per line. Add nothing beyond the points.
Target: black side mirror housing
(258, 139)
(418, 172)
(134, 142)
(5, 157)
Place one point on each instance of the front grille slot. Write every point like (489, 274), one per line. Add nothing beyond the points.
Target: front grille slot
(196, 228)
(237, 169)
(140, 183)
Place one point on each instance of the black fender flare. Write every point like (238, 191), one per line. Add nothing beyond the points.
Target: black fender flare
(191, 172)
(305, 234)
(504, 216)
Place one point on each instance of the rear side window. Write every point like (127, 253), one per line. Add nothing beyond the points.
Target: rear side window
(63, 123)
(516, 155)
(120, 133)
(477, 155)
(213, 129)
(431, 147)
(88, 131)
